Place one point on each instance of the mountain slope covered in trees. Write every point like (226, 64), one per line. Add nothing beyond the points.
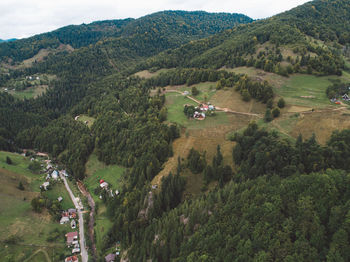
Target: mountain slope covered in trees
(261, 43)
(171, 27)
(283, 199)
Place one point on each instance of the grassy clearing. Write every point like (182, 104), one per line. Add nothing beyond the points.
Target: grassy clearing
(59, 190)
(147, 74)
(30, 92)
(306, 90)
(175, 104)
(97, 170)
(112, 174)
(102, 226)
(90, 120)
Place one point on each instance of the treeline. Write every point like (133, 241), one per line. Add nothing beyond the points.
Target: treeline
(259, 152)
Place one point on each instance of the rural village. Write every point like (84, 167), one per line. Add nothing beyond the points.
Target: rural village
(72, 216)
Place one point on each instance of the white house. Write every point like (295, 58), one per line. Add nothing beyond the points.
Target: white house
(64, 220)
(54, 175)
(104, 185)
(45, 185)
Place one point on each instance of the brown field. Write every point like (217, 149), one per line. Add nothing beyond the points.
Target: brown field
(203, 140)
(233, 100)
(322, 124)
(297, 109)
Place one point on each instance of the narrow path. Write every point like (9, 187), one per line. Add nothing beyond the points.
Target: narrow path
(36, 252)
(91, 202)
(83, 251)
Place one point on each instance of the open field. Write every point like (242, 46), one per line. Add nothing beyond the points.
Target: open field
(97, 170)
(30, 92)
(20, 227)
(90, 120)
(59, 190)
(147, 74)
(306, 90)
(103, 225)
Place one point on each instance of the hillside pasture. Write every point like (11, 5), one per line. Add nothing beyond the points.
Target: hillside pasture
(112, 174)
(20, 227)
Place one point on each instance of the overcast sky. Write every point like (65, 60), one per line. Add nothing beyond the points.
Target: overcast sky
(23, 18)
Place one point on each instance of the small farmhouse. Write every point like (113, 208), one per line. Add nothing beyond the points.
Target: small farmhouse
(71, 236)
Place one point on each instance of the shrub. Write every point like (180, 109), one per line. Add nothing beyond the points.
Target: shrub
(275, 112)
(281, 103)
(268, 116)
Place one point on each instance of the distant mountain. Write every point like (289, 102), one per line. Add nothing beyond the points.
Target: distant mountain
(170, 27)
(8, 40)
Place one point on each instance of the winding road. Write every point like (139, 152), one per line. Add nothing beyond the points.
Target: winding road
(83, 251)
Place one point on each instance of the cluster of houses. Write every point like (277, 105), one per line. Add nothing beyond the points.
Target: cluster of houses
(52, 173)
(104, 185)
(72, 241)
(71, 237)
(202, 110)
(345, 97)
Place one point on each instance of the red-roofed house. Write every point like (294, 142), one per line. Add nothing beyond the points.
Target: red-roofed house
(71, 236)
(71, 259)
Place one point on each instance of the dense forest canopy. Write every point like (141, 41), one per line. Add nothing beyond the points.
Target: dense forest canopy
(238, 47)
(171, 27)
(281, 200)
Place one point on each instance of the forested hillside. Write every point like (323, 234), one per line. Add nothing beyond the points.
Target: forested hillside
(262, 43)
(263, 196)
(170, 28)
